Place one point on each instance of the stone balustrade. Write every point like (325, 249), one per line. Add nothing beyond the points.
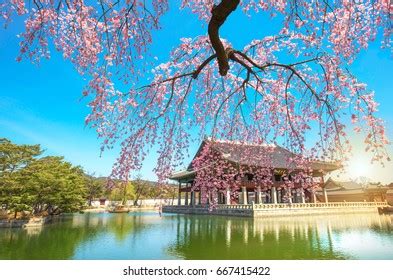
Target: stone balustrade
(319, 205)
(279, 209)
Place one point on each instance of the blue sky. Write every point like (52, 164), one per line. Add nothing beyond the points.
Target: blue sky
(41, 104)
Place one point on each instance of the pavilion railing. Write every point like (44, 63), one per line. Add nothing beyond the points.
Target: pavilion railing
(318, 205)
(288, 205)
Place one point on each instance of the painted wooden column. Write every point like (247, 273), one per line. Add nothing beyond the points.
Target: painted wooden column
(186, 199)
(202, 197)
(179, 195)
(274, 195)
(296, 196)
(192, 198)
(302, 196)
(228, 196)
(289, 194)
(198, 194)
(244, 195)
(293, 196)
(325, 196)
(314, 196)
(213, 197)
(259, 196)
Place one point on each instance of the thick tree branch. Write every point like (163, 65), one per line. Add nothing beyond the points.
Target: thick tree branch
(219, 15)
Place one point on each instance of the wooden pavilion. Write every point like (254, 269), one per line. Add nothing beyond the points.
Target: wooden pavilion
(251, 190)
(352, 191)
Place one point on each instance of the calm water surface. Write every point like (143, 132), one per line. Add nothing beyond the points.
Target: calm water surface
(144, 235)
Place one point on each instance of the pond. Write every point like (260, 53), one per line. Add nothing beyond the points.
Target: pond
(146, 235)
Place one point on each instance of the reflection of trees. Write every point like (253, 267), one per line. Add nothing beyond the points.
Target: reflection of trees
(310, 237)
(61, 239)
(56, 241)
(122, 225)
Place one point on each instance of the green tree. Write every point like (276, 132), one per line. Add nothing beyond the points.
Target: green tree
(54, 186)
(13, 159)
(141, 188)
(122, 192)
(152, 190)
(95, 187)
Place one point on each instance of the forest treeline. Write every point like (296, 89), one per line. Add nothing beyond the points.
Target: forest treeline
(48, 185)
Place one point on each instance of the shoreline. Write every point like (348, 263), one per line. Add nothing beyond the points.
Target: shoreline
(131, 209)
(41, 221)
(26, 223)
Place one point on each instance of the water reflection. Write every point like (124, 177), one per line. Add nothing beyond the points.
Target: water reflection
(147, 236)
(308, 237)
(50, 242)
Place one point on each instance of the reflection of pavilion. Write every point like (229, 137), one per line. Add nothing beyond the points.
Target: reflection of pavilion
(255, 193)
(271, 238)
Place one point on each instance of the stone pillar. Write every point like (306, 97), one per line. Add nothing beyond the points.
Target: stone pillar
(179, 195)
(244, 196)
(258, 198)
(274, 195)
(198, 201)
(228, 197)
(214, 196)
(302, 196)
(202, 196)
(289, 194)
(325, 196)
(186, 199)
(314, 197)
(192, 198)
(295, 196)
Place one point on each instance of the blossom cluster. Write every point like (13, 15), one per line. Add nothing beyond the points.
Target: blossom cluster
(279, 89)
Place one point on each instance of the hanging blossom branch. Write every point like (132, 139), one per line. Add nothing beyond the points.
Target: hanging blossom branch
(279, 101)
(276, 90)
(88, 33)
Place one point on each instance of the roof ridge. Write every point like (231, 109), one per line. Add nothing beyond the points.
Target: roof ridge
(237, 142)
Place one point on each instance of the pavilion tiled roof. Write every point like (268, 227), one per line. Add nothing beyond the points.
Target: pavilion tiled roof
(253, 155)
(333, 185)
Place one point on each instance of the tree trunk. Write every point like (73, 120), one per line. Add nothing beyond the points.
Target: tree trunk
(173, 197)
(137, 195)
(124, 202)
(219, 15)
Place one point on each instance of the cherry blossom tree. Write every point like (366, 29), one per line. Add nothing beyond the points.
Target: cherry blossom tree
(277, 89)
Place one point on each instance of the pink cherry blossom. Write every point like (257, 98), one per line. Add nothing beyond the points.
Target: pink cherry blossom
(275, 90)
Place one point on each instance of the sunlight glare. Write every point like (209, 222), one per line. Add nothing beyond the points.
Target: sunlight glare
(359, 166)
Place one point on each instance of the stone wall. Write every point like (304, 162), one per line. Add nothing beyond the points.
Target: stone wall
(204, 210)
(141, 202)
(32, 222)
